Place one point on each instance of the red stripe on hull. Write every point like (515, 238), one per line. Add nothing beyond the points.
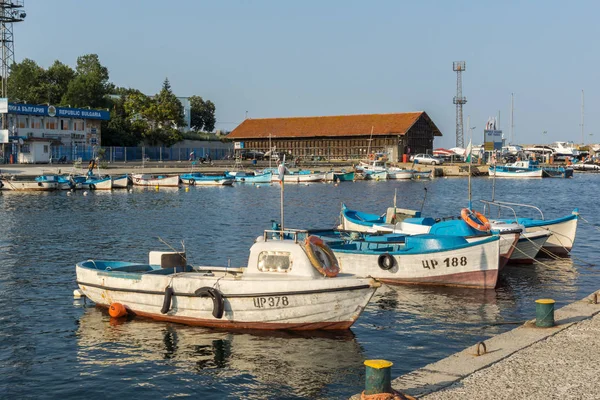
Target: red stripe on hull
(225, 324)
(475, 279)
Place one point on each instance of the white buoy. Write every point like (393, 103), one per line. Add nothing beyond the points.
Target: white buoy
(257, 186)
(85, 193)
(77, 293)
(68, 193)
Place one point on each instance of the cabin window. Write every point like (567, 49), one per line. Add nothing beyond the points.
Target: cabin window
(25, 149)
(274, 261)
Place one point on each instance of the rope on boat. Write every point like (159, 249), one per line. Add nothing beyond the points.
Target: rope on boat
(528, 256)
(585, 220)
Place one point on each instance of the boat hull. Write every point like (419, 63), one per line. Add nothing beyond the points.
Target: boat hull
(376, 175)
(563, 235)
(516, 174)
(399, 174)
(121, 182)
(471, 265)
(28, 186)
(154, 180)
(248, 304)
(528, 247)
(300, 178)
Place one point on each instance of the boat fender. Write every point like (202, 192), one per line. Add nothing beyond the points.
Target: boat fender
(217, 297)
(167, 301)
(192, 181)
(386, 261)
(92, 186)
(117, 310)
(1, 184)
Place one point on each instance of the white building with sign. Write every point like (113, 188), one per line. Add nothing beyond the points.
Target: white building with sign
(34, 130)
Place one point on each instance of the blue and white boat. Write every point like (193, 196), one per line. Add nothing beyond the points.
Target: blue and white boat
(528, 169)
(96, 182)
(342, 176)
(199, 179)
(250, 177)
(300, 176)
(519, 169)
(563, 229)
(62, 182)
(409, 222)
(121, 182)
(419, 259)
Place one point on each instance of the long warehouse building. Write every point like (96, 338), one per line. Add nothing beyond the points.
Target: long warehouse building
(339, 137)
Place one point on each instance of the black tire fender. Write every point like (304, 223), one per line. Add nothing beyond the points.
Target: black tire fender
(92, 186)
(386, 261)
(192, 182)
(217, 297)
(167, 300)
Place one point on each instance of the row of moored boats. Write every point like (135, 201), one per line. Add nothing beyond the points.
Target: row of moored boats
(323, 279)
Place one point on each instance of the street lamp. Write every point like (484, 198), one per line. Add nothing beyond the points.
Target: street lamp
(544, 136)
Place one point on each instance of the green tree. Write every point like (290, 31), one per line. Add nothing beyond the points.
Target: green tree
(157, 118)
(56, 84)
(90, 85)
(26, 82)
(202, 114)
(121, 130)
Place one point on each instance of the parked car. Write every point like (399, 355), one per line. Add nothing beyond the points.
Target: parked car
(252, 155)
(427, 159)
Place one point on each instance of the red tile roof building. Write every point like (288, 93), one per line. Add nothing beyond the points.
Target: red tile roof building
(340, 137)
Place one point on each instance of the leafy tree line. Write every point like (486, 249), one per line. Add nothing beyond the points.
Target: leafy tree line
(135, 117)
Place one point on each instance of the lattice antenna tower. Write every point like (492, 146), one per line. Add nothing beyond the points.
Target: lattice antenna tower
(459, 100)
(11, 11)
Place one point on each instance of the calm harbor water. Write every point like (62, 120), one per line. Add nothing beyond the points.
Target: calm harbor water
(52, 346)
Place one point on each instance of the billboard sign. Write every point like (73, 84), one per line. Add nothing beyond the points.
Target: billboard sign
(52, 111)
(492, 140)
(238, 145)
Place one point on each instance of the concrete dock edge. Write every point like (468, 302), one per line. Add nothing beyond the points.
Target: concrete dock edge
(446, 372)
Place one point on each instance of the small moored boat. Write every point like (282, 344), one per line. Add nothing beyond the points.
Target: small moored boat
(287, 284)
(199, 179)
(155, 180)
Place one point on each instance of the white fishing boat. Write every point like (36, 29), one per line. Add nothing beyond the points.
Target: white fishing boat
(409, 222)
(423, 259)
(155, 180)
(98, 183)
(301, 176)
(563, 229)
(121, 182)
(287, 284)
(11, 183)
(376, 169)
(519, 169)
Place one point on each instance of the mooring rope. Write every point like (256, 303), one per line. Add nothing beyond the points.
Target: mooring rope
(585, 220)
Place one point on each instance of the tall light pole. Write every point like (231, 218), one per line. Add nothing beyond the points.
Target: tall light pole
(544, 136)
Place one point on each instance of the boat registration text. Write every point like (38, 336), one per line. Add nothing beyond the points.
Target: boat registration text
(448, 262)
(274, 301)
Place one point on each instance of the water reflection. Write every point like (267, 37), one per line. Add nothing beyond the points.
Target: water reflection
(304, 363)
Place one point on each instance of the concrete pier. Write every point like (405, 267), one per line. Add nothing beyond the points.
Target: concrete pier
(527, 362)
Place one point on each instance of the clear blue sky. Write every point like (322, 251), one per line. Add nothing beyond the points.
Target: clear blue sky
(284, 58)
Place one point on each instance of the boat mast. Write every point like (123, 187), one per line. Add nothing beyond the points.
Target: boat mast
(469, 156)
(582, 116)
(512, 117)
(369, 148)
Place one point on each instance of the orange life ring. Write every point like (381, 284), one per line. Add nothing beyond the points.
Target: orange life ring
(475, 219)
(321, 256)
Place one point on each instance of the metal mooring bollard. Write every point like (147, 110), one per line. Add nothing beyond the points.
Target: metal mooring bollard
(378, 378)
(544, 313)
